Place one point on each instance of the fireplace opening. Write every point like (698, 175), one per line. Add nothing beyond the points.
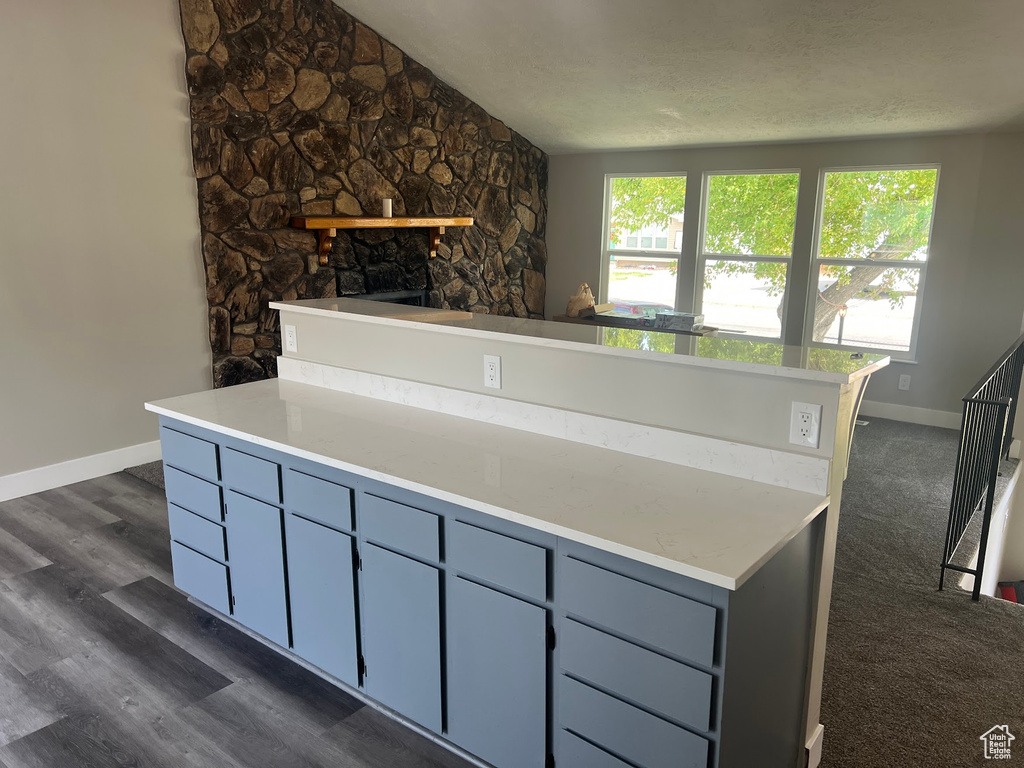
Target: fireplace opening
(411, 298)
(383, 265)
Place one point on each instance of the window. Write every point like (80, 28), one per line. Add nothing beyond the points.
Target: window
(865, 252)
(748, 225)
(872, 250)
(644, 215)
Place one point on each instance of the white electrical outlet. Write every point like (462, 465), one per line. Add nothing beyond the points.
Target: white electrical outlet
(805, 424)
(492, 371)
(291, 342)
(905, 382)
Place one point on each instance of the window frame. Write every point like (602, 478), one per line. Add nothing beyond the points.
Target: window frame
(704, 256)
(816, 262)
(607, 251)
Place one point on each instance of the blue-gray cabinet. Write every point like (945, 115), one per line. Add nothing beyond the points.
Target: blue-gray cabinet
(401, 616)
(322, 590)
(497, 675)
(256, 558)
(517, 646)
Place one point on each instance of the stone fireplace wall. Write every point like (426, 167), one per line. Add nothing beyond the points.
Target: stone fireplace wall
(298, 107)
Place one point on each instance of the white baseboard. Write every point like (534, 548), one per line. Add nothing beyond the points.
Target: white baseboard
(911, 415)
(75, 471)
(814, 747)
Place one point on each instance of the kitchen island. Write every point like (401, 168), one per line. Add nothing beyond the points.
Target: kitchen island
(527, 581)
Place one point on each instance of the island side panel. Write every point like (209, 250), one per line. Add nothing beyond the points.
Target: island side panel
(767, 654)
(826, 559)
(744, 406)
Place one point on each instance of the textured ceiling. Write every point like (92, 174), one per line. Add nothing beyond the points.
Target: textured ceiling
(577, 75)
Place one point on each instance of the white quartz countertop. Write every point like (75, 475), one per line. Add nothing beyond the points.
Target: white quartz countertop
(766, 358)
(712, 527)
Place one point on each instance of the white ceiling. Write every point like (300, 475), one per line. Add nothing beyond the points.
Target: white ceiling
(578, 75)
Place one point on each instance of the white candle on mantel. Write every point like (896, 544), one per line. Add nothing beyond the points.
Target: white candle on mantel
(387, 207)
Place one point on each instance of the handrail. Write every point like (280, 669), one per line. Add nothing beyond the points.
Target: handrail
(976, 389)
(986, 431)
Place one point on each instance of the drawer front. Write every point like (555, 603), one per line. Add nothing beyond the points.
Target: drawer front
(254, 477)
(189, 453)
(574, 752)
(656, 682)
(637, 736)
(319, 500)
(193, 494)
(665, 620)
(197, 532)
(405, 528)
(203, 578)
(506, 562)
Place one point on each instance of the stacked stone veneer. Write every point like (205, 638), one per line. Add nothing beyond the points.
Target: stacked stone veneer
(298, 108)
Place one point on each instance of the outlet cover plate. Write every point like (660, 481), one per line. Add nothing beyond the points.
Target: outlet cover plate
(492, 371)
(805, 425)
(904, 384)
(291, 342)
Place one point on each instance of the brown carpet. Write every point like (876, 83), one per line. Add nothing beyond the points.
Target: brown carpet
(152, 473)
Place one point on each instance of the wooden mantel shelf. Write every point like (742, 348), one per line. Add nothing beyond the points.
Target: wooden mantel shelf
(327, 227)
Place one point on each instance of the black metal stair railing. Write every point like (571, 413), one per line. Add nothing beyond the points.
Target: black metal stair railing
(986, 432)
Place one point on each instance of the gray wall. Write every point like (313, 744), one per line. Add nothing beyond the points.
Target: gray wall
(101, 285)
(974, 294)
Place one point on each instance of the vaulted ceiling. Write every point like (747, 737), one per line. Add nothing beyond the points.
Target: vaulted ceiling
(579, 75)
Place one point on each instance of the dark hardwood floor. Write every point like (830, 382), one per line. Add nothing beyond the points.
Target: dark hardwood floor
(103, 663)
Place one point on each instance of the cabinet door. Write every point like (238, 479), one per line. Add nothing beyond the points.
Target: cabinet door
(321, 589)
(401, 613)
(497, 675)
(256, 560)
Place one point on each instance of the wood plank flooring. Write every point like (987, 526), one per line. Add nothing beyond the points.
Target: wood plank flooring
(103, 663)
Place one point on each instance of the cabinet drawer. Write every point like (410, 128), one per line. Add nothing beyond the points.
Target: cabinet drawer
(254, 477)
(665, 620)
(405, 528)
(197, 532)
(319, 500)
(507, 562)
(574, 752)
(189, 453)
(639, 737)
(653, 681)
(193, 494)
(201, 577)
